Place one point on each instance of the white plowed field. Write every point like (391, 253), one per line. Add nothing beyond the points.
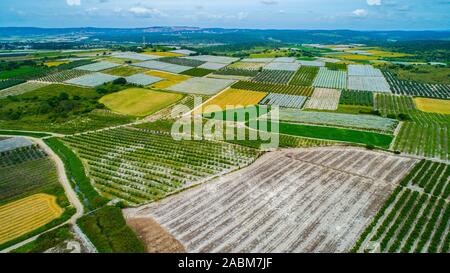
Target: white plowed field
(324, 99)
(298, 200)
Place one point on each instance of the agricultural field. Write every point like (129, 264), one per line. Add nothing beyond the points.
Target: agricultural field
(282, 100)
(63, 75)
(363, 71)
(92, 80)
(433, 105)
(182, 61)
(21, 89)
(274, 88)
(411, 88)
(138, 166)
(55, 63)
(396, 105)
(139, 101)
(29, 213)
(124, 71)
(324, 99)
(167, 67)
(374, 139)
(330, 79)
(197, 72)
(235, 98)
(415, 217)
(9, 83)
(201, 86)
(282, 66)
(340, 188)
(364, 98)
(142, 79)
(274, 76)
(364, 122)
(422, 133)
(24, 171)
(11, 143)
(336, 66)
(169, 79)
(311, 63)
(237, 72)
(213, 59)
(212, 66)
(247, 65)
(305, 76)
(95, 67)
(134, 56)
(368, 83)
(261, 61)
(164, 54)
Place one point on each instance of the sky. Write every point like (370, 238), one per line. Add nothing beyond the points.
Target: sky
(255, 14)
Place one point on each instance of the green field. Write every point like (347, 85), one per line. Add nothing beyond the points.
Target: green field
(336, 134)
(422, 73)
(124, 71)
(139, 102)
(197, 72)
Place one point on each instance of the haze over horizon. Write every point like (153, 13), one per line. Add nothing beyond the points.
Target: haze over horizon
(252, 14)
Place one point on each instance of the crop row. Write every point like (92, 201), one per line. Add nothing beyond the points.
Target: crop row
(21, 89)
(411, 88)
(63, 76)
(395, 105)
(305, 76)
(429, 140)
(20, 155)
(274, 76)
(274, 88)
(8, 83)
(331, 79)
(138, 166)
(237, 72)
(409, 221)
(349, 97)
(182, 61)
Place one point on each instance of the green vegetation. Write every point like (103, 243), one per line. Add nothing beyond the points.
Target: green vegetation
(305, 76)
(336, 134)
(47, 240)
(421, 73)
(26, 171)
(59, 108)
(124, 71)
(107, 230)
(139, 102)
(197, 72)
(20, 133)
(274, 88)
(77, 175)
(336, 66)
(9, 83)
(274, 76)
(364, 98)
(237, 72)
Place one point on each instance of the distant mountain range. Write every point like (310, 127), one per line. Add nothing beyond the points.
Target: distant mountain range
(185, 34)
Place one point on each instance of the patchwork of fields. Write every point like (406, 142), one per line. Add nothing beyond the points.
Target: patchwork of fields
(302, 200)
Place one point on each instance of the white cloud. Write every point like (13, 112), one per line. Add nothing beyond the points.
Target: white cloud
(73, 2)
(360, 12)
(269, 2)
(373, 2)
(146, 12)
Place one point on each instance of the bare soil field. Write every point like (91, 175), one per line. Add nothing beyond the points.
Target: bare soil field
(296, 200)
(155, 237)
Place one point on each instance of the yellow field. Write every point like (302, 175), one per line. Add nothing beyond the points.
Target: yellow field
(164, 54)
(139, 101)
(25, 215)
(387, 53)
(354, 57)
(170, 79)
(52, 64)
(433, 105)
(234, 98)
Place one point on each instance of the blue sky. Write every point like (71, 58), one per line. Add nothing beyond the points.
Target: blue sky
(275, 14)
